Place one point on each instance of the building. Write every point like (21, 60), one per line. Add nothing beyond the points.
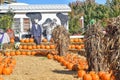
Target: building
(25, 14)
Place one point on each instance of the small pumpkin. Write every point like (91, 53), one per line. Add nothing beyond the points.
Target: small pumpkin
(12, 40)
(87, 77)
(49, 56)
(52, 46)
(12, 53)
(81, 73)
(47, 47)
(31, 40)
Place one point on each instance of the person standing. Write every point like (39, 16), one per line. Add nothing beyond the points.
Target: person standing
(50, 26)
(36, 32)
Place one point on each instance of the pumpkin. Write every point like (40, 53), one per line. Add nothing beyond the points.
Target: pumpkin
(81, 73)
(7, 70)
(33, 53)
(76, 40)
(106, 76)
(47, 47)
(52, 46)
(42, 46)
(94, 76)
(28, 53)
(12, 40)
(100, 73)
(24, 46)
(44, 40)
(7, 53)
(12, 53)
(29, 47)
(38, 46)
(87, 77)
(22, 40)
(26, 40)
(34, 47)
(49, 56)
(23, 53)
(70, 66)
(73, 46)
(82, 46)
(18, 53)
(31, 40)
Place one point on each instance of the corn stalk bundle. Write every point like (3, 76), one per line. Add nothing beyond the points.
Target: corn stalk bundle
(61, 39)
(112, 42)
(94, 48)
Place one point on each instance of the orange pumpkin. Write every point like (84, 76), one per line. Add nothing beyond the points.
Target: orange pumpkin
(7, 53)
(18, 53)
(76, 40)
(29, 47)
(28, 53)
(73, 46)
(70, 66)
(49, 56)
(94, 75)
(31, 40)
(100, 73)
(24, 46)
(27, 40)
(81, 73)
(52, 46)
(7, 70)
(38, 46)
(47, 47)
(34, 47)
(42, 46)
(12, 53)
(106, 76)
(33, 53)
(87, 77)
(23, 53)
(12, 40)
(44, 40)
(22, 40)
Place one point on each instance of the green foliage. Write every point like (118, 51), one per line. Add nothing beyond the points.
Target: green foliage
(6, 20)
(92, 10)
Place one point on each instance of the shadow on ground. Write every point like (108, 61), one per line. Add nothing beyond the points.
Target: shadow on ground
(65, 72)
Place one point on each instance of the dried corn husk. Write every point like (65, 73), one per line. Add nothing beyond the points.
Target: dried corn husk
(61, 39)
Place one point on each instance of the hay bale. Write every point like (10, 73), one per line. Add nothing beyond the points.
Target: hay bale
(61, 39)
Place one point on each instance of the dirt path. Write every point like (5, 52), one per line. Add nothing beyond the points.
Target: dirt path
(39, 68)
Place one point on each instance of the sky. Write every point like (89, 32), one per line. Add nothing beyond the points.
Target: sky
(54, 1)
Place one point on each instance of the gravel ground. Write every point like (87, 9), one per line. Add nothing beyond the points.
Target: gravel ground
(39, 68)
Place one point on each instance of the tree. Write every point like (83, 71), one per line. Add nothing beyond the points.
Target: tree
(6, 20)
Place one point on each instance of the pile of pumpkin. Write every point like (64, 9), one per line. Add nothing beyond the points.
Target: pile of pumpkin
(28, 53)
(76, 40)
(92, 75)
(32, 47)
(76, 43)
(70, 61)
(7, 65)
(31, 40)
(17, 52)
